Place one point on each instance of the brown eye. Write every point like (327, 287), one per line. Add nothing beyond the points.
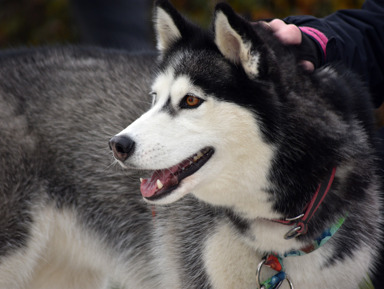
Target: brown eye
(190, 101)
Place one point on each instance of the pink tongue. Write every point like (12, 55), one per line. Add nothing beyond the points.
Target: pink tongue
(149, 187)
(167, 177)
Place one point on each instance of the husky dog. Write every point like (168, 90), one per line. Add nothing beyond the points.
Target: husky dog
(238, 127)
(238, 141)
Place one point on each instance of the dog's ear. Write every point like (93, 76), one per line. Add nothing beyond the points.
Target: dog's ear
(237, 40)
(168, 25)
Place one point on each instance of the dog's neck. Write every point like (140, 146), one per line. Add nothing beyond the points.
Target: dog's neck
(280, 235)
(300, 222)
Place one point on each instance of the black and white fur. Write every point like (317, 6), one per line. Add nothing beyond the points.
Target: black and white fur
(68, 219)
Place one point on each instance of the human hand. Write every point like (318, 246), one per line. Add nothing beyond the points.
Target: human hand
(289, 34)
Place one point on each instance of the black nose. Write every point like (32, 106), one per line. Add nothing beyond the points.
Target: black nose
(122, 147)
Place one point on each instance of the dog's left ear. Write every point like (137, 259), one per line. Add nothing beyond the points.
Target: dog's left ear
(237, 41)
(169, 25)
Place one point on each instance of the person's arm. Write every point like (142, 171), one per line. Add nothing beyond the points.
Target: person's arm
(353, 37)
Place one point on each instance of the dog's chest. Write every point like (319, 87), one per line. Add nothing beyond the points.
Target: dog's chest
(230, 262)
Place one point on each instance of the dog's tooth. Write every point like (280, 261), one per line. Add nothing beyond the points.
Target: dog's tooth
(141, 180)
(159, 184)
(197, 156)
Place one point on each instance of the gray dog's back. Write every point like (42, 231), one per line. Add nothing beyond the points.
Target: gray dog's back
(58, 108)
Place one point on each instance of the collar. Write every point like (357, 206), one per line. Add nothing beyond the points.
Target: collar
(300, 227)
(301, 221)
(275, 261)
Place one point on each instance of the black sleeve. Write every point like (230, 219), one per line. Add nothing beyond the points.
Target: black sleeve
(356, 38)
(310, 50)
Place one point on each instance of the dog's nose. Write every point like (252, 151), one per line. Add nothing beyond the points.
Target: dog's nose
(122, 147)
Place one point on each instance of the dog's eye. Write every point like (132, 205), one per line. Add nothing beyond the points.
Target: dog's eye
(190, 101)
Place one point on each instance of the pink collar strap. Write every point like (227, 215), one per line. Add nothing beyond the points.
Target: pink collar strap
(300, 222)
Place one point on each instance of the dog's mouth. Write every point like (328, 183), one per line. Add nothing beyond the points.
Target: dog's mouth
(164, 181)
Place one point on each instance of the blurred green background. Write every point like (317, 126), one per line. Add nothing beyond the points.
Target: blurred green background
(41, 22)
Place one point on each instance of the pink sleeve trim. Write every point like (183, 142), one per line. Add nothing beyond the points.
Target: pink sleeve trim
(317, 35)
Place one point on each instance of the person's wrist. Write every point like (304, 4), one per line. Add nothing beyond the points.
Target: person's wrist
(309, 51)
(319, 38)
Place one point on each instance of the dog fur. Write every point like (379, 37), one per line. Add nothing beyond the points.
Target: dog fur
(71, 218)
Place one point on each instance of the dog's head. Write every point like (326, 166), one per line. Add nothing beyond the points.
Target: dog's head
(214, 114)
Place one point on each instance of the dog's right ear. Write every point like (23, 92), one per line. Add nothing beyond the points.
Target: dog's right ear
(168, 25)
(238, 42)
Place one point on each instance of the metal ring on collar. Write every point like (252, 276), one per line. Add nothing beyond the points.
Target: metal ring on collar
(293, 233)
(294, 218)
(290, 283)
(258, 274)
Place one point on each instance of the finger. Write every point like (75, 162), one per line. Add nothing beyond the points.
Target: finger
(307, 65)
(277, 24)
(265, 24)
(288, 34)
